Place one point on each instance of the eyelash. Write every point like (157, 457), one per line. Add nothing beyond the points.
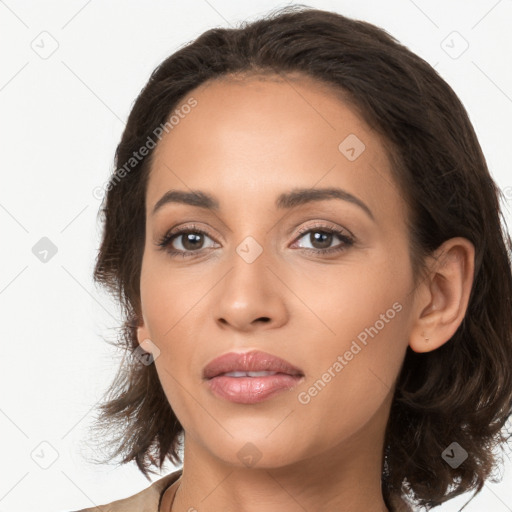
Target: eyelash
(165, 241)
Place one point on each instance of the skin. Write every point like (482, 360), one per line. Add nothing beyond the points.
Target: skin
(247, 141)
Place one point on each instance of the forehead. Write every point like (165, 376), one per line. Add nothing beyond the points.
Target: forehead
(261, 134)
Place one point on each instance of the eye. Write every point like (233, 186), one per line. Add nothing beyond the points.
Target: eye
(321, 237)
(184, 241)
(189, 241)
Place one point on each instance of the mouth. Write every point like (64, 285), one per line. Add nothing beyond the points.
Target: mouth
(248, 374)
(250, 377)
(249, 364)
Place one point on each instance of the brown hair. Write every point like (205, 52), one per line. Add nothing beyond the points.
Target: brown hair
(460, 392)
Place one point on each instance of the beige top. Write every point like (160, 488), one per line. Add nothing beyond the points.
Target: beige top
(158, 497)
(155, 498)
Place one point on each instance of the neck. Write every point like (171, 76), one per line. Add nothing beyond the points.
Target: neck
(345, 478)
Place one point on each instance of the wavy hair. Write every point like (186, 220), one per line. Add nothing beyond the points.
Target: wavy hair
(461, 391)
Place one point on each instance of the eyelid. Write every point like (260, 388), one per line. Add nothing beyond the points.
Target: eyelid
(324, 225)
(347, 240)
(185, 227)
(319, 224)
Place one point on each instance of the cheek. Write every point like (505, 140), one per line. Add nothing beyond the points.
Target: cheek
(168, 294)
(362, 353)
(356, 301)
(358, 337)
(173, 309)
(352, 373)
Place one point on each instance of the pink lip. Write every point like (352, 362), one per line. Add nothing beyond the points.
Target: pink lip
(254, 361)
(248, 390)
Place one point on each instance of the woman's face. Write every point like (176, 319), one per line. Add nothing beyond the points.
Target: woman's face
(323, 282)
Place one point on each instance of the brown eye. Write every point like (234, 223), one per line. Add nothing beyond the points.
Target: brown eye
(321, 238)
(190, 241)
(185, 241)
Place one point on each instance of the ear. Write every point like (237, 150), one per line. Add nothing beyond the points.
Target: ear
(441, 299)
(152, 352)
(142, 332)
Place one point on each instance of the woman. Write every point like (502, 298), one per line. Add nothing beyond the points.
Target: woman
(315, 274)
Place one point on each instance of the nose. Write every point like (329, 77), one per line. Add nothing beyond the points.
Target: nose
(251, 295)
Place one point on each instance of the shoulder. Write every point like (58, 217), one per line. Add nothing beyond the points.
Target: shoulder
(146, 500)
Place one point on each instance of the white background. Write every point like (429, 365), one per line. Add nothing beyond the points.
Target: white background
(61, 119)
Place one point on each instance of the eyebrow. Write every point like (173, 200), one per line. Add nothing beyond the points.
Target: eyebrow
(295, 197)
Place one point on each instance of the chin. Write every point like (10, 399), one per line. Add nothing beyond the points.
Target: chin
(255, 448)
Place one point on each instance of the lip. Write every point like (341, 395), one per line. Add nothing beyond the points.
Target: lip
(253, 361)
(249, 390)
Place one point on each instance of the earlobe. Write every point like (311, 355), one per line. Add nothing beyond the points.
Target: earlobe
(442, 302)
(425, 336)
(141, 324)
(142, 333)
